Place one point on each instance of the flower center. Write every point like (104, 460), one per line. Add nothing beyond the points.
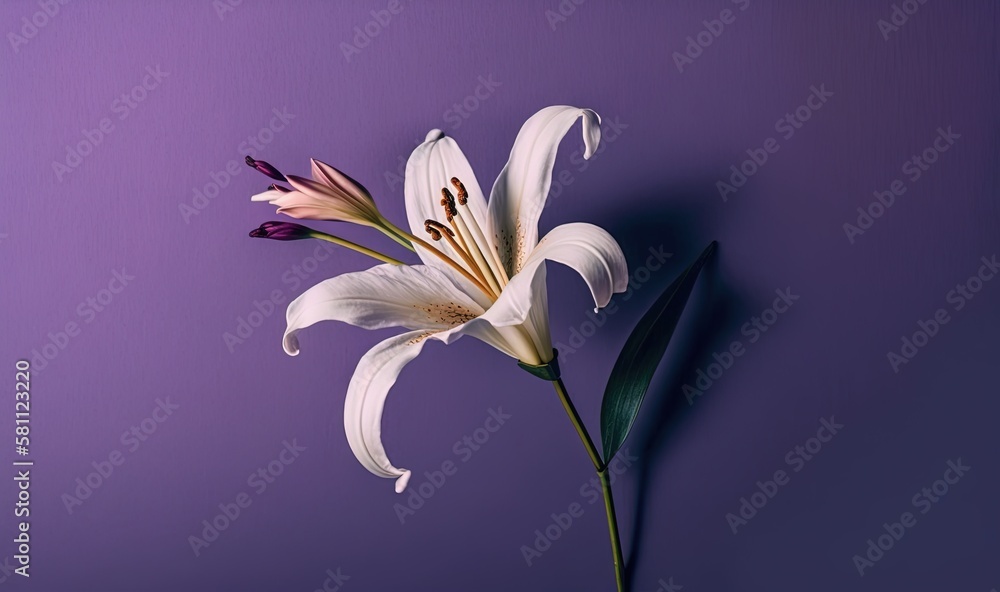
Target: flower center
(466, 238)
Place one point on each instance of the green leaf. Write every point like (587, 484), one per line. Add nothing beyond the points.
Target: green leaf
(641, 355)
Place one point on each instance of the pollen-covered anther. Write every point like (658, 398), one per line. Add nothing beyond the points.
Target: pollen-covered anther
(463, 195)
(448, 201)
(433, 226)
(432, 230)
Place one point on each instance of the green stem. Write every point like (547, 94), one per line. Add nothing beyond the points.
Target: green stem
(616, 543)
(581, 429)
(391, 231)
(355, 247)
(602, 472)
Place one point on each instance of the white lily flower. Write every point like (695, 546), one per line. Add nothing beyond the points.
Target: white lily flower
(486, 278)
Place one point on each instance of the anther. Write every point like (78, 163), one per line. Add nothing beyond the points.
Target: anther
(448, 201)
(433, 226)
(463, 195)
(435, 235)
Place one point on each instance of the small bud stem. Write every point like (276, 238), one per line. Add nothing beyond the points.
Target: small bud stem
(388, 231)
(355, 247)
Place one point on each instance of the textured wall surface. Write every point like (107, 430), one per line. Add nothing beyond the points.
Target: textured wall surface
(125, 263)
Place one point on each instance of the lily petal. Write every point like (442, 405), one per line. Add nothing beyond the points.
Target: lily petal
(376, 373)
(414, 297)
(504, 335)
(316, 201)
(589, 250)
(586, 248)
(269, 195)
(338, 181)
(509, 324)
(520, 191)
(429, 169)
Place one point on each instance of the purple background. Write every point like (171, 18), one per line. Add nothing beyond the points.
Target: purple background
(63, 236)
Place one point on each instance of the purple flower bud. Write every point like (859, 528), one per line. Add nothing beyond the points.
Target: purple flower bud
(283, 231)
(266, 168)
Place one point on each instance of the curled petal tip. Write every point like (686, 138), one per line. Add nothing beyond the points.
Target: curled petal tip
(402, 481)
(291, 344)
(591, 132)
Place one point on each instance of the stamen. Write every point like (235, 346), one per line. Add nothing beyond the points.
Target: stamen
(472, 246)
(435, 235)
(463, 195)
(415, 240)
(435, 226)
(492, 264)
(448, 201)
(437, 230)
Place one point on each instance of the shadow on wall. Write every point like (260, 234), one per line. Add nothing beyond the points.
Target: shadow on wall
(677, 217)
